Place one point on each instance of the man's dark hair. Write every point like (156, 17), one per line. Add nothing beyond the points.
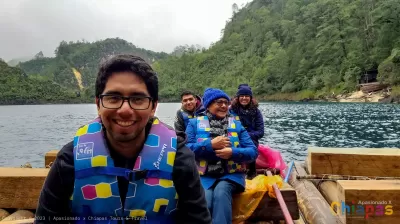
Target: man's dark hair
(127, 63)
(187, 92)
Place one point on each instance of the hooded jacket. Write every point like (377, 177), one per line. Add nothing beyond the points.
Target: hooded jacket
(179, 123)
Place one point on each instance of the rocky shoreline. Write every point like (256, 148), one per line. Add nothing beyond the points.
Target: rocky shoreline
(383, 96)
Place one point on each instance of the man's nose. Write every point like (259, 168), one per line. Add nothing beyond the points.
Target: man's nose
(125, 108)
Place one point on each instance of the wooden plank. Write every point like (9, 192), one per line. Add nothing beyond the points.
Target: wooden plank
(21, 221)
(300, 220)
(372, 162)
(3, 214)
(50, 157)
(18, 216)
(311, 203)
(269, 208)
(20, 187)
(330, 191)
(368, 201)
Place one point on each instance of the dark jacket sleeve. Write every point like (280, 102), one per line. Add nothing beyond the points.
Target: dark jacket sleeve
(259, 127)
(179, 123)
(192, 204)
(57, 189)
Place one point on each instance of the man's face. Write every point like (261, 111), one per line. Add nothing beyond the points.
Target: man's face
(189, 102)
(125, 124)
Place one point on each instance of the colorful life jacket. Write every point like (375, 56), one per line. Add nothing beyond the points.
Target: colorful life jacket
(203, 133)
(186, 117)
(151, 193)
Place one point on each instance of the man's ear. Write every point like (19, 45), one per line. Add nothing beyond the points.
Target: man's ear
(97, 101)
(153, 110)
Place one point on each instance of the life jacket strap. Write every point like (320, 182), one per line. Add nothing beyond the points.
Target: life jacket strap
(130, 175)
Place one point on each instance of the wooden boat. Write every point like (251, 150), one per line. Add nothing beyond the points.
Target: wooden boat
(311, 194)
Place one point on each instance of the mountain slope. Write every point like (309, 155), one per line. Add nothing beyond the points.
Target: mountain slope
(18, 88)
(76, 63)
(291, 45)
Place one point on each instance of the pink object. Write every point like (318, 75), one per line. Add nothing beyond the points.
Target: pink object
(270, 158)
(281, 202)
(89, 192)
(152, 181)
(138, 163)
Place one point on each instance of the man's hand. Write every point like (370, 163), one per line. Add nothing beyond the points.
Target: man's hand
(220, 142)
(225, 153)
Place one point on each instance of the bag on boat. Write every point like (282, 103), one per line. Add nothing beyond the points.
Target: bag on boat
(245, 203)
(270, 158)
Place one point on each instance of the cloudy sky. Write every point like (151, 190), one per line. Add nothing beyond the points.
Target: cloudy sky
(30, 26)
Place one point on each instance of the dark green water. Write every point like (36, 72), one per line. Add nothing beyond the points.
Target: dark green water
(28, 132)
(292, 127)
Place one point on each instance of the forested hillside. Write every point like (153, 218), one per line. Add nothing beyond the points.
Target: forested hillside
(76, 63)
(308, 48)
(18, 88)
(314, 46)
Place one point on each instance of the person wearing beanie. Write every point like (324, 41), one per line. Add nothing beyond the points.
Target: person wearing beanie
(222, 148)
(246, 107)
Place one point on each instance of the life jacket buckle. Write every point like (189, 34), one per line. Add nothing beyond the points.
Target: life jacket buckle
(128, 175)
(135, 175)
(140, 174)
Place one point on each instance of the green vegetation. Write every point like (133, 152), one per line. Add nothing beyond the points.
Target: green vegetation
(286, 50)
(52, 80)
(18, 88)
(292, 49)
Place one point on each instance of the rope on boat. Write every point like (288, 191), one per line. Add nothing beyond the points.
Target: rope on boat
(332, 177)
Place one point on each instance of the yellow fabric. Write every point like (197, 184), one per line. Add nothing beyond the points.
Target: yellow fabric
(99, 161)
(246, 203)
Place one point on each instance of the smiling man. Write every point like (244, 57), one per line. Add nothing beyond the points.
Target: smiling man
(125, 164)
(191, 107)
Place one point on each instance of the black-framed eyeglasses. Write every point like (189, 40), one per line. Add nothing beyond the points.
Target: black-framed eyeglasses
(110, 101)
(220, 103)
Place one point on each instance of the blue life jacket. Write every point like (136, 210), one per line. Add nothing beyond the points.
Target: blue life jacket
(203, 133)
(186, 117)
(151, 195)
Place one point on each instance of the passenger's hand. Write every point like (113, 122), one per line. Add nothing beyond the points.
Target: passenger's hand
(225, 153)
(220, 142)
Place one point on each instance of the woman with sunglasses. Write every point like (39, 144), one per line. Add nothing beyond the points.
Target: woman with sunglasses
(222, 148)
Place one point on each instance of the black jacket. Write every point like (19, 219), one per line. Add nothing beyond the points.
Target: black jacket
(179, 122)
(57, 189)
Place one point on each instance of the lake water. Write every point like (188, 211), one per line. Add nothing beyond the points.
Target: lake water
(27, 132)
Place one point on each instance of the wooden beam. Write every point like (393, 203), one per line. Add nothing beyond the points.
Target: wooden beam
(3, 214)
(20, 221)
(368, 201)
(50, 157)
(18, 216)
(310, 201)
(299, 221)
(371, 162)
(20, 187)
(269, 209)
(330, 191)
